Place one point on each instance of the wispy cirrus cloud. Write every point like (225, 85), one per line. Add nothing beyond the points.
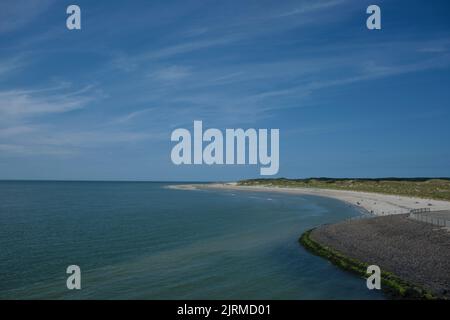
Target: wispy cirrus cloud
(18, 104)
(367, 71)
(231, 64)
(132, 62)
(127, 118)
(26, 131)
(10, 65)
(238, 94)
(34, 149)
(309, 7)
(23, 112)
(171, 73)
(57, 140)
(18, 130)
(15, 14)
(232, 30)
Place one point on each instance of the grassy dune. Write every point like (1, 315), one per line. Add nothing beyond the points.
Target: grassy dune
(438, 189)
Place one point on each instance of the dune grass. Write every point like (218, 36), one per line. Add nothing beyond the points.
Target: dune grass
(436, 188)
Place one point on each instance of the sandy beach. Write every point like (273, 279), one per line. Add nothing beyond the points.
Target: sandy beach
(375, 203)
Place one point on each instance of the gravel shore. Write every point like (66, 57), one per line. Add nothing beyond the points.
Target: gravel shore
(414, 251)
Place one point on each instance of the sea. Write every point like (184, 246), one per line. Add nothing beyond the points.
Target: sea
(146, 240)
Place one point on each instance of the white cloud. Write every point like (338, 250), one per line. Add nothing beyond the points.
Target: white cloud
(9, 65)
(130, 116)
(17, 104)
(188, 47)
(18, 13)
(172, 73)
(31, 150)
(310, 7)
(58, 141)
(15, 131)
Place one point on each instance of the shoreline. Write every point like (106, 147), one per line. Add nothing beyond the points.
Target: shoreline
(392, 284)
(413, 256)
(375, 203)
(420, 250)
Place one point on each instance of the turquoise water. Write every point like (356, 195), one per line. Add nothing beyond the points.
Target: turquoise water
(144, 241)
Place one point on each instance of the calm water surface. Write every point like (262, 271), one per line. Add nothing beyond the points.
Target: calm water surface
(144, 241)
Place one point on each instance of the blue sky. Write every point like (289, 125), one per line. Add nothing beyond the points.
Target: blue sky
(101, 103)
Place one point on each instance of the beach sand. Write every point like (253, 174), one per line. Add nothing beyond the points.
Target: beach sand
(375, 203)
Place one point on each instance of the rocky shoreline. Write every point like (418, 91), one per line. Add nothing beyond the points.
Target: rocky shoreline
(413, 256)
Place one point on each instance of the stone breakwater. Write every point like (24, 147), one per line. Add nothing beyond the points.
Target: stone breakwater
(414, 251)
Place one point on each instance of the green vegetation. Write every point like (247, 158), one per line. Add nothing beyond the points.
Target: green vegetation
(438, 189)
(390, 283)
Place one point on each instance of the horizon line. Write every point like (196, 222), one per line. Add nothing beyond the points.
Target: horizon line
(221, 181)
